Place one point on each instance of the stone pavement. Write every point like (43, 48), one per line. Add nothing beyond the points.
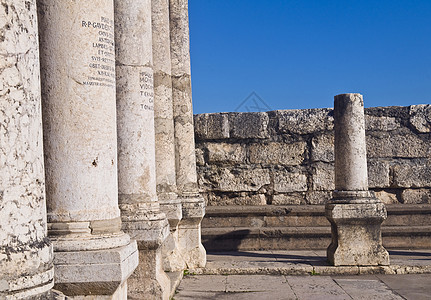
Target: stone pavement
(305, 275)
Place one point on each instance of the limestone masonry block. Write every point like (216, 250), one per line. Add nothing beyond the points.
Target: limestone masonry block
(323, 177)
(289, 181)
(225, 153)
(239, 179)
(420, 117)
(249, 125)
(277, 153)
(318, 197)
(212, 126)
(305, 121)
(378, 174)
(414, 174)
(373, 123)
(322, 148)
(416, 196)
(387, 197)
(403, 145)
(288, 199)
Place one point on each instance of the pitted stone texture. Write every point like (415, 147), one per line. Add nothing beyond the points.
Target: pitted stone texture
(277, 153)
(416, 196)
(420, 117)
(288, 199)
(305, 121)
(402, 145)
(212, 126)
(237, 180)
(350, 148)
(25, 252)
(225, 153)
(374, 123)
(323, 177)
(322, 148)
(79, 109)
(289, 181)
(415, 174)
(249, 126)
(378, 174)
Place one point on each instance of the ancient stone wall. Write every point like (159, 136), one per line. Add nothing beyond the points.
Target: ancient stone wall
(287, 157)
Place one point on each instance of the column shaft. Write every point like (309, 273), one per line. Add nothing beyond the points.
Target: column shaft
(193, 205)
(26, 268)
(140, 208)
(79, 111)
(170, 204)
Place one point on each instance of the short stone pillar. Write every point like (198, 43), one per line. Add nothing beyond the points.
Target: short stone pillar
(170, 204)
(92, 256)
(26, 269)
(193, 205)
(354, 212)
(139, 205)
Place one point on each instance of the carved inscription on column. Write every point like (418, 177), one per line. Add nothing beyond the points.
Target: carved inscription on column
(146, 90)
(102, 62)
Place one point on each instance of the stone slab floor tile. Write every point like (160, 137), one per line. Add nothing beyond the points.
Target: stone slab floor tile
(296, 256)
(359, 288)
(411, 258)
(411, 286)
(207, 283)
(316, 287)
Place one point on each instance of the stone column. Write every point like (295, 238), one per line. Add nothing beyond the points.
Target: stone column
(354, 212)
(92, 255)
(170, 204)
(26, 268)
(193, 205)
(139, 205)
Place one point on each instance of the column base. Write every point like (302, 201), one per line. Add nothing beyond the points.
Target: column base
(356, 232)
(189, 232)
(35, 286)
(100, 273)
(173, 260)
(149, 280)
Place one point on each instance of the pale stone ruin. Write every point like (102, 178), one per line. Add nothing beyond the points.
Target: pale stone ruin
(99, 194)
(113, 87)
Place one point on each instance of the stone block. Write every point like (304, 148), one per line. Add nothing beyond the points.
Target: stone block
(374, 123)
(402, 145)
(235, 199)
(305, 121)
(249, 125)
(323, 177)
(277, 153)
(211, 126)
(322, 148)
(225, 153)
(200, 159)
(420, 117)
(378, 174)
(318, 197)
(416, 196)
(288, 182)
(241, 179)
(289, 199)
(387, 197)
(416, 174)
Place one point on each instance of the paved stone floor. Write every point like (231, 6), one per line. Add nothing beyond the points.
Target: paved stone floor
(272, 275)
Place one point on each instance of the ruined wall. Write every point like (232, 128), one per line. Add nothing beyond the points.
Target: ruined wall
(287, 157)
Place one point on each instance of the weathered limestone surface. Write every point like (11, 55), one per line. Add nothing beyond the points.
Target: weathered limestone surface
(170, 204)
(398, 153)
(140, 210)
(193, 205)
(80, 144)
(26, 268)
(355, 214)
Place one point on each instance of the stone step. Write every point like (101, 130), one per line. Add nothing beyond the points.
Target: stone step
(285, 238)
(304, 227)
(303, 216)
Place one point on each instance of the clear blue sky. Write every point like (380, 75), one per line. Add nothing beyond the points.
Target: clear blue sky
(299, 54)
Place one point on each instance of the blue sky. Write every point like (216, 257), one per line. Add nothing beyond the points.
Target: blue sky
(300, 54)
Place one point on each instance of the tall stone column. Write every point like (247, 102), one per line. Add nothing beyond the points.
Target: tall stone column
(170, 204)
(354, 212)
(193, 205)
(139, 205)
(92, 255)
(26, 268)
